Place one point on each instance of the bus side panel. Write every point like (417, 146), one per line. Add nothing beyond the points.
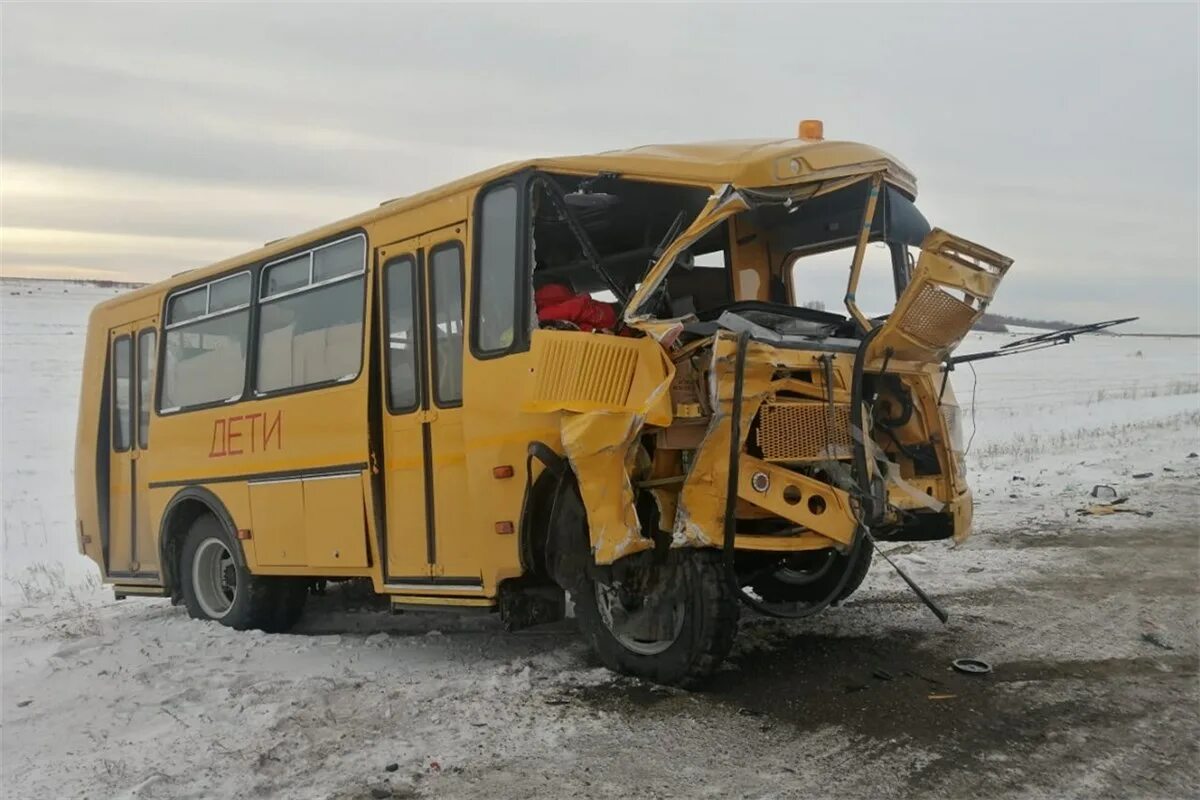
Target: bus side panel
(91, 454)
(290, 435)
(93, 485)
(335, 522)
(277, 512)
(498, 434)
(233, 496)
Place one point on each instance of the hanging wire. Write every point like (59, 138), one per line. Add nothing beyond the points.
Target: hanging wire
(974, 383)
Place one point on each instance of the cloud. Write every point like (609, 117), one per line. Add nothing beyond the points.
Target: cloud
(1063, 135)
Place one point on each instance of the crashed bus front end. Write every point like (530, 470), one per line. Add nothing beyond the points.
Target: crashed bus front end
(773, 442)
(834, 435)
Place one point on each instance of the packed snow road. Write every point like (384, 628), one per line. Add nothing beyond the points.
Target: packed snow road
(1089, 622)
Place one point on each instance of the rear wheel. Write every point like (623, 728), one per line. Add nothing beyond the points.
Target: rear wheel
(811, 577)
(216, 586)
(676, 631)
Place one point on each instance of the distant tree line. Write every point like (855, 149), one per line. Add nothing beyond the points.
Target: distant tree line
(102, 282)
(999, 323)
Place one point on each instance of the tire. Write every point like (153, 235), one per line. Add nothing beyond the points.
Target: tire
(810, 577)
(217, 586)
(705, 624)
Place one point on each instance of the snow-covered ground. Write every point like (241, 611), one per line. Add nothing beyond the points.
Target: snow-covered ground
(133, 699)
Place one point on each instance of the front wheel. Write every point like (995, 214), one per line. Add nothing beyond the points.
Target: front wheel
(677, 631)
(217, 586)
(811, 577)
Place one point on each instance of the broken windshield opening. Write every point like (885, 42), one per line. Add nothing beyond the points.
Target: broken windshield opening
(601, 245)
(594, 239)
(768, 229)
(818, 280)
(810, 247)
(624, 222)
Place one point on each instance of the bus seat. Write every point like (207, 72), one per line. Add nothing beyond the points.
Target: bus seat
(275, 359)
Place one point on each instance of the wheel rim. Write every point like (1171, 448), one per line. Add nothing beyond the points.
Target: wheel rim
(214, 578)
(608, 599)
(803, 576)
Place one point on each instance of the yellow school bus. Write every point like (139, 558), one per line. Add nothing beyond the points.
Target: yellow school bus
(607, 379)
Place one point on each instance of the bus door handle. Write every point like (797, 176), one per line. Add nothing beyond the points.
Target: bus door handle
(429, 415)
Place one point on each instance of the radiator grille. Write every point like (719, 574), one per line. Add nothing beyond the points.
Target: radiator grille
(587, 369)
(800, 431)
(937, 319)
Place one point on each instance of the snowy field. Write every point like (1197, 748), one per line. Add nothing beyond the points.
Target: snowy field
(132, 699)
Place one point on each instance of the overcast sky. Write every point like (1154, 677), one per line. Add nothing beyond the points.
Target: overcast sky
(144, 139)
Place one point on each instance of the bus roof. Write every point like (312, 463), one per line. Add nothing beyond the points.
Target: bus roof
(745, 163)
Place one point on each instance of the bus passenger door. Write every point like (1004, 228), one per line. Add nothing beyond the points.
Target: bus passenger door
(130, 550)
(424, 462)
(453, 542)
(404, 398)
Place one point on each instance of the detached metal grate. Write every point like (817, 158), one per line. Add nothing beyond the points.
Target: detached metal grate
(937, 318)
(800, 431)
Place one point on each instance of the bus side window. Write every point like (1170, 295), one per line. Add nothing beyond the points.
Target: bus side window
(205, 340)
(497, 275)
(146, 342)
(311, 313)
(400, 286)
(122, 393)
(445, 276)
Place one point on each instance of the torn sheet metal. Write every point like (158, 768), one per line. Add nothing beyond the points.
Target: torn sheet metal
(950, 289)
(832, 516)
(601, 448)
(701, 506)
(728, 201)
(609, 387)
(724, 203)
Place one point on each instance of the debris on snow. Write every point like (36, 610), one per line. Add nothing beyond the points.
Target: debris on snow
(1156, 640)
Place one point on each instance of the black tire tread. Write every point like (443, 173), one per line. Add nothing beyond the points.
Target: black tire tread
(687, 664)
(272, 604)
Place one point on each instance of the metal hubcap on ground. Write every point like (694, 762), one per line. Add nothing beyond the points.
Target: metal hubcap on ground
(214, 578)
(608, 600)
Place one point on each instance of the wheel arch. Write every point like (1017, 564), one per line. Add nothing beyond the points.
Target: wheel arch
(537, 507)
(188, 505)
(551, 512)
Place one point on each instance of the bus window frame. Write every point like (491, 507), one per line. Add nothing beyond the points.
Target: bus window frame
(143, 443)
(166, 326)
(524, 273)
(255, 269)
(260, 301)
(418, 340)
(449, 244)
(114, 407)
